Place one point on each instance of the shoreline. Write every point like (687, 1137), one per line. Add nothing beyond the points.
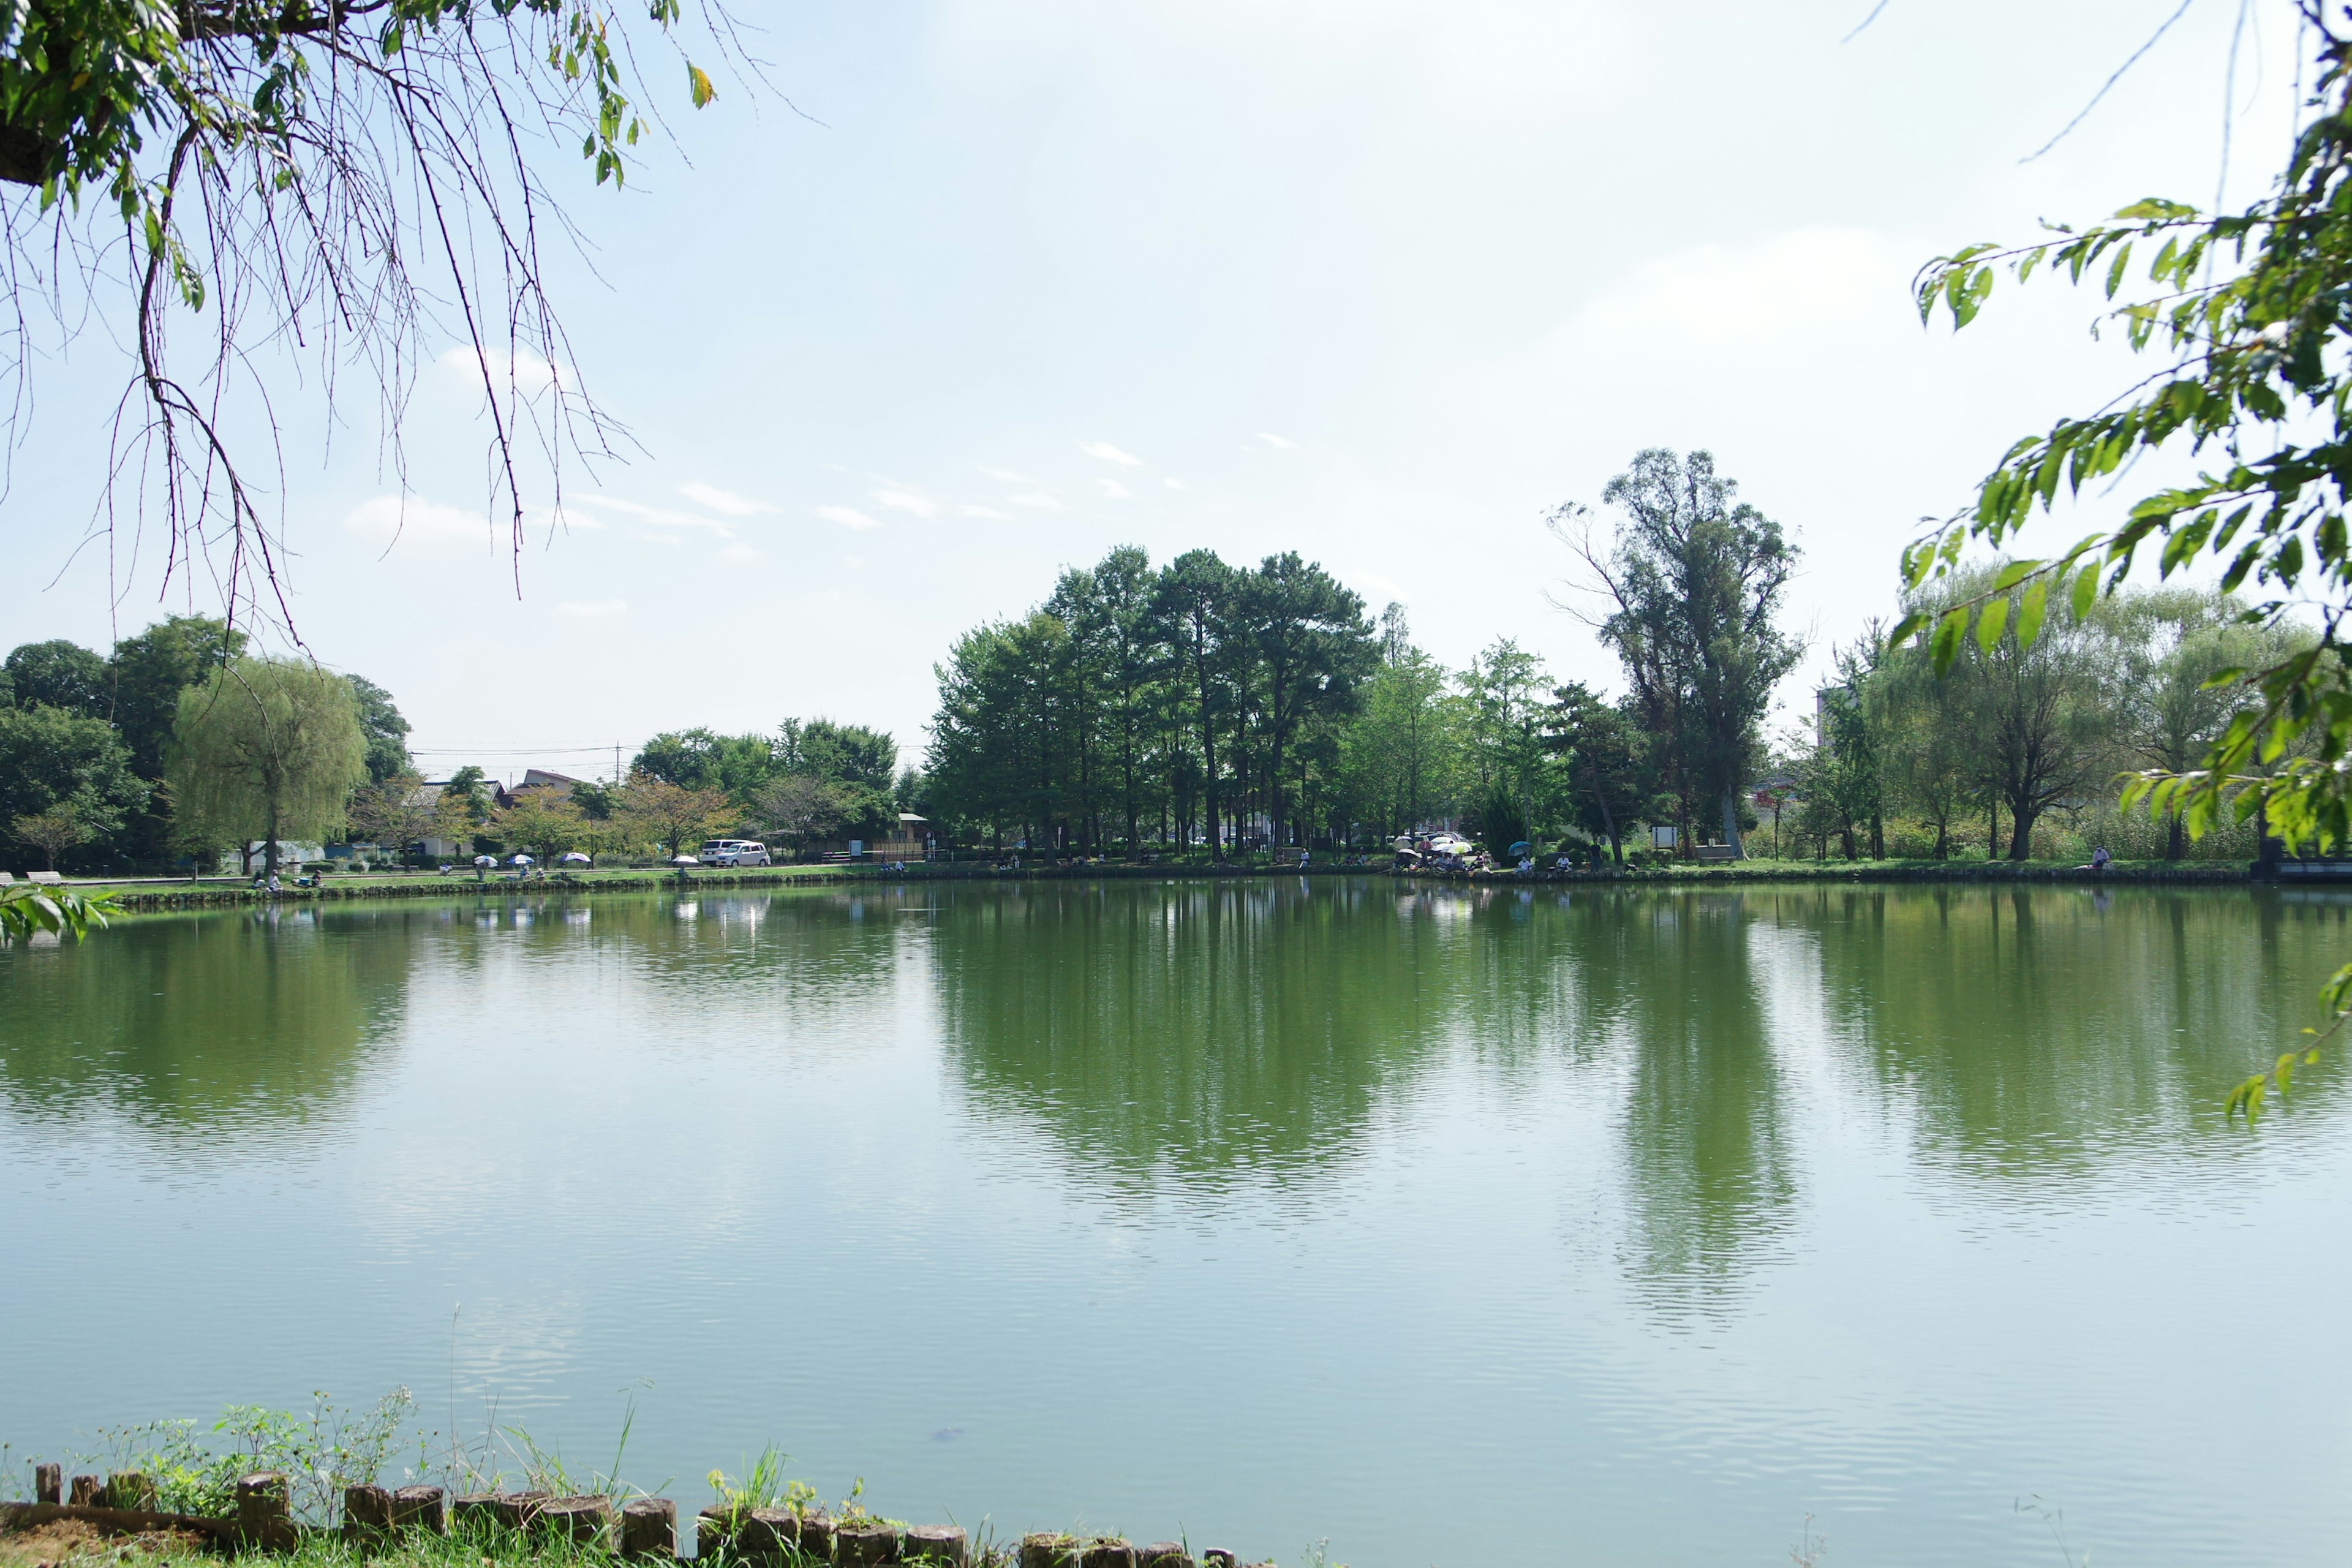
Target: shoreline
(148, 898)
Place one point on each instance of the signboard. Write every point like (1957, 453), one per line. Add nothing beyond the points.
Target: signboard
(857, 848)
(1662, 836)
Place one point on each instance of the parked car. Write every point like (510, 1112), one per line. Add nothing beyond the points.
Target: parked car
(733, 852)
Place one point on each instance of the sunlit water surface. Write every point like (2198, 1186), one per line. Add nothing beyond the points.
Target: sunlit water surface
(1457, 1227)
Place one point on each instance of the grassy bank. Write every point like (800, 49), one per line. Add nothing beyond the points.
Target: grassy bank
(223, 893)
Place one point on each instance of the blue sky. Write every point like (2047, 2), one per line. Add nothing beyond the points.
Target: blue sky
(1379, 282)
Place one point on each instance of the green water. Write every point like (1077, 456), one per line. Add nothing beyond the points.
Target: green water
(1457, 1227)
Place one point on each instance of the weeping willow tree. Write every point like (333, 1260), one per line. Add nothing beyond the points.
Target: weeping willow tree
(2248, 317)
(268, 749)
(225, 189)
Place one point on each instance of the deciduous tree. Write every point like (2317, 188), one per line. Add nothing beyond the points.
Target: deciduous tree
(52, 760)
(1690, 585)
(268, 749)
(654, 811)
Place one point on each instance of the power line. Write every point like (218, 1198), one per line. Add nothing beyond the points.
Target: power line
(504, 751)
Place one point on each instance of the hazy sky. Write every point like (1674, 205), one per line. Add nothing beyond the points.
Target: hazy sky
(1379, 282)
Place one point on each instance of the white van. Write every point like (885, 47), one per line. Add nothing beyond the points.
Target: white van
(733, 852)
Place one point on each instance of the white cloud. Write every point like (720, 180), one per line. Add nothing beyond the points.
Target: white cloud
(523, 371)
(1007, 476)
(725, 501)
(1172, 484)
(987, 511)
(412, 527)
(1717, 293)
(1116, 492)
(1109, 454)
(662, 516)
(847, 516)
(741, 555)
(593, 609)
(1036, 500)
(906, 502)
(1275, 441)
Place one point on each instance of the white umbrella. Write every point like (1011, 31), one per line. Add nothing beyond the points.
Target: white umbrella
(520, 860)
(684, 860)
(486, 859)
(573, 858)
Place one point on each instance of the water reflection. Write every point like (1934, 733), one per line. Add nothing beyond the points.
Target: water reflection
(2040, 1033)
(189, 1023)
(1209, 1032)
(1200, 1027)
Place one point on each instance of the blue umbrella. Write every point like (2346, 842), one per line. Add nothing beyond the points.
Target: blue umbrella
(1521, 848)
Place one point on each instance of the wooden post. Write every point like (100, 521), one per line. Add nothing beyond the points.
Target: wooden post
(132, 1489)
(1050, 1550)
(940, 1543)
(766, 1532)
(583, 1521)
(714, 1528)
(1165, 1555)
(497, 1510)
(87, 1491)
(816, 1536)
(419, 1507)
(1108, 1551)
(265, 1514)
(367, 1515)
(649, 1528)
(1218, 1557)
(48, 1483)
(865, 1544)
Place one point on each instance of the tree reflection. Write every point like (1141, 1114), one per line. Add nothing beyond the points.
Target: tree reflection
(1203, 1026)
(1709, 1180)
(2041, 1031)
(193, 1022)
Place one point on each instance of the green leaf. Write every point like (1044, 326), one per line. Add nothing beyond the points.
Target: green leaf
(1990, 622)
(1944, 645)
(2031, 611)
(2086, 591)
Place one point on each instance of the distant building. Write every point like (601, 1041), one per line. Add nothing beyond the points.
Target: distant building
(558, 785)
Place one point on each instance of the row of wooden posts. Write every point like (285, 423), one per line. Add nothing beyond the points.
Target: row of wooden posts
(641, 1529)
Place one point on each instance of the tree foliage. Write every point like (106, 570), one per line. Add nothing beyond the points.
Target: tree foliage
(2248, 312)
(1690, 585)
(266, 750)
(54, 761)
(395, 813)
(59, 674)
(362, 181)
(1136, 705)
(654, 811)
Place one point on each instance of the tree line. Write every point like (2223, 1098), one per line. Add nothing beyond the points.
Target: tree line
(175, 740)
(1234, 708)
(1202, 706)
(181, 744)
(2018, 745)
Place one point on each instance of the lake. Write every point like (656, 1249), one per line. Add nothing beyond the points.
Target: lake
(1455, 1227)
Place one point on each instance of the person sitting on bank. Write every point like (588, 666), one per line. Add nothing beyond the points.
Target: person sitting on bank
(2099, 859)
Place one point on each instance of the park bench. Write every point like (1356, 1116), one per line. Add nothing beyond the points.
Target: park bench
(46, 879)
(1714, 852)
